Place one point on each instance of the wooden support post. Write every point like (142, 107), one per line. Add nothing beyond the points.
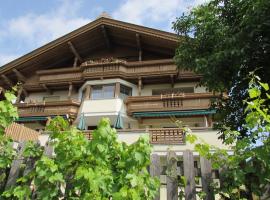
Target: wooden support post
(206, 171)
(15, 167)
(209, 120)
(19, 93)
(155, 170)
(87, 92)
(19, 75)
(70, 89)
(75, 64)
(139, 46)
(139, 86)
(75, 52)
(190, 188)
(106, 36)
(117, 90)
(25, 93)
(172, 185)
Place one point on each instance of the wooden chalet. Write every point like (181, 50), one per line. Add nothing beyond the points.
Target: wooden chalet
(113, 69)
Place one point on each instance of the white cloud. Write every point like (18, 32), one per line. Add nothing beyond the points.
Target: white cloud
(5, 58)
(37, 29)
(153, 11)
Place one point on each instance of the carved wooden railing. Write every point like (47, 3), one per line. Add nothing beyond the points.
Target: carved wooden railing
(114, 69)
(173, 102)
(64, 107)
(156, 135)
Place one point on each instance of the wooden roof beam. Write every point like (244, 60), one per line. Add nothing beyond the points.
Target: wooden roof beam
(106, 36)
(19, 75)
(7, 80)
(46, 88)
(139, 45)
(75, 52)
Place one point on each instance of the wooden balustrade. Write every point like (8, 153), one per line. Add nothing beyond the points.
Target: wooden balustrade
(174, 102)
(112, 69)
(156, 135)
(65, 107)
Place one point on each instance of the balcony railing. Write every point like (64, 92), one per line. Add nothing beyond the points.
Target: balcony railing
(64, 107)
(156, 135)
(112, 69)
(173, 102)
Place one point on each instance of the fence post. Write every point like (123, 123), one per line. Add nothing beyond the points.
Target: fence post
(15, 167)
(172, 185)
(155, 170)
(206, 171)
(190, 188)
(48, 151)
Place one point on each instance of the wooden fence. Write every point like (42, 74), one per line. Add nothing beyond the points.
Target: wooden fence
(196, 170)
(172, 168)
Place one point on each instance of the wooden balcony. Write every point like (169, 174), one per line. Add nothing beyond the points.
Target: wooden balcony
(64, 107)
(156, 135)
(121, 69)
(173, 102)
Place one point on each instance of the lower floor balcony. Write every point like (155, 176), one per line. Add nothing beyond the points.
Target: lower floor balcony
(68, 108)
(169, 105)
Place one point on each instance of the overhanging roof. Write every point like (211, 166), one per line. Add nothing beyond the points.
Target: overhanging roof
(88, 39)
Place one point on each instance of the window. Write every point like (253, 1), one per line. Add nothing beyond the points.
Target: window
(125, 91)
(51, 98)
(103, 91)
(173, 91)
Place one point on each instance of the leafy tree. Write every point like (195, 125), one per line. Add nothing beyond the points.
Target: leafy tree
(7, 114)
(102, 168)
(224, 40)
(246, 171)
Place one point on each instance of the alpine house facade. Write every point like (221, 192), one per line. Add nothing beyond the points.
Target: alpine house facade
(113, 69)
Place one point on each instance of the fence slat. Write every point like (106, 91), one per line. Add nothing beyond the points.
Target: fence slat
(15, 167)
(48, 151)
(172, 186)
(155, 170)
(190, 188)
(206, 171)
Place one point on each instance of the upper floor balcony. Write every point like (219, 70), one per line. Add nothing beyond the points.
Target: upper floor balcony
(174, 102)
(111, 69)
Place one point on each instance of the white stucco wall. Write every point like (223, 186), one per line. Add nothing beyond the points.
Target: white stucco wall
(147, 89)
(38, 96)
(168, 122)
(209, 136)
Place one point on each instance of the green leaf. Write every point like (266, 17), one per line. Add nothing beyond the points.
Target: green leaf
(254, 92)
(265, 86)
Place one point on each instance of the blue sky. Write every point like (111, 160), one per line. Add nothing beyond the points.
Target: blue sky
(28, 24)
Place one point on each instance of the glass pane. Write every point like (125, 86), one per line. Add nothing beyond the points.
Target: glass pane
(108, 91)
(97, 92)
(125, 91)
